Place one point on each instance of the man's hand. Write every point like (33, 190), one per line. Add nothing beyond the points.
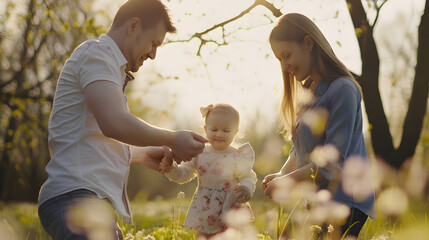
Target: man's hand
(165, 165)
(156, 158)
(186, 145)
(243, 194)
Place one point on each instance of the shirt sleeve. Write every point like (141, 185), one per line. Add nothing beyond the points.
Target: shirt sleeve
(340, 126)
(98, 63)
(245, 158)
(183, 172)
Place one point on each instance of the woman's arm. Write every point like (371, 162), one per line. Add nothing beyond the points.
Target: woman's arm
(288, 167)
(290, 164)
(309, 172)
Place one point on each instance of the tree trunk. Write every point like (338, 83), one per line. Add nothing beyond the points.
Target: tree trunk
(381, 137)
(5, 160)
(417, 106)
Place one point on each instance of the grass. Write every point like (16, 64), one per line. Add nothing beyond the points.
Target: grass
(402, 213)
(159, 220)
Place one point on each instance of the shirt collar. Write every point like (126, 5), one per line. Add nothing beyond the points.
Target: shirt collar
(116, 51)
(120, 58)
(321, 87)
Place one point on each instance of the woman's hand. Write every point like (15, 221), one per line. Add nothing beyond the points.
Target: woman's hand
(243, 194)
(268, 179)
(269, 189)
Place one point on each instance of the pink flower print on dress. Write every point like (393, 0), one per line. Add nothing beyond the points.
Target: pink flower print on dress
(212, 219)
(207, 203)
(217, 170)
(219, 201)
(207, 198)
(227, 185)
(202, 170)
(206, 208)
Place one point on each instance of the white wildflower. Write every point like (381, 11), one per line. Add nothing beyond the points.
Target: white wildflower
(181, 195)
(129, 236)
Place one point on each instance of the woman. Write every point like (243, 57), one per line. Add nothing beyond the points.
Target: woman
(309, 63)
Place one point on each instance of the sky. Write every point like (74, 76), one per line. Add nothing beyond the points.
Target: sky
(245, 73)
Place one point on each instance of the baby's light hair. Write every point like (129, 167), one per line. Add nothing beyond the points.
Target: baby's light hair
(227, 108)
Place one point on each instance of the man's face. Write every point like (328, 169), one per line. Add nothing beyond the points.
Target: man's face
(142, 44)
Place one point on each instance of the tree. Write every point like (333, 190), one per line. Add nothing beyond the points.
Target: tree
(381, 138)
(36, 37)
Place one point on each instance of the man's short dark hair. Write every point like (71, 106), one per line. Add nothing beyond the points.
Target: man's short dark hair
(150, 12)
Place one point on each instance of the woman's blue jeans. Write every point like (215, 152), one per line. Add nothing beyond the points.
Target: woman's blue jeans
(53, 215)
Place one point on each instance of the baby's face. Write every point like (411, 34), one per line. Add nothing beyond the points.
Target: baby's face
(221, 128)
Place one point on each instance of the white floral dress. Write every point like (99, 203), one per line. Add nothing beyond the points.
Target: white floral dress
(219, 172)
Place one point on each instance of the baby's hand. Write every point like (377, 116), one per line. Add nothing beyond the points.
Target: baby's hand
(243, 194)
(165, 165)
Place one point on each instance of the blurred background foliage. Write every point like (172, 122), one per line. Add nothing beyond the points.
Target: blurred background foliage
(36, 38)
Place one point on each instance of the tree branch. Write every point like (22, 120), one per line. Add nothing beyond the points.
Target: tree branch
(378, 8)
(276, 12)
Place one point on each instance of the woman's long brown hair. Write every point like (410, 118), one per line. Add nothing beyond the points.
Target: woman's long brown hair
(294, 27)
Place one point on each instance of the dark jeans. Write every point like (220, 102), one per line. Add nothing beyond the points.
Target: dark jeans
(357, 218)
(53, 216)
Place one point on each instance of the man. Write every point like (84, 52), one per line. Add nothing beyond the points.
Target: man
(91, 128)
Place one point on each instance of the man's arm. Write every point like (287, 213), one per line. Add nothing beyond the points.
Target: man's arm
(151, 156)
(105, 100)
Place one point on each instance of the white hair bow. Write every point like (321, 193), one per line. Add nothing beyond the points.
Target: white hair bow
(205, 110)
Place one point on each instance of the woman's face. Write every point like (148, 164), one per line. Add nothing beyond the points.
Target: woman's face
(295, 57)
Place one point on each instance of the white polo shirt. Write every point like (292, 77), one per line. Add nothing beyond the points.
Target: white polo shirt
(81, 156)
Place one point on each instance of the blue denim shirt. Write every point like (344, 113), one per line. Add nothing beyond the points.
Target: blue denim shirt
(341, 101)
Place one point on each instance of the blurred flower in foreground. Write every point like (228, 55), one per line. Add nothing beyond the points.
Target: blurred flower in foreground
(316, 120)
(237, 218)
(305, 190)
(246, 233)
(356, 178)
(417, 179)
(93, 217)
(323, 155)
(7, 231)
(323, 196)
(392, 202)
(305, 98)
(329, 211)
(282, 189)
